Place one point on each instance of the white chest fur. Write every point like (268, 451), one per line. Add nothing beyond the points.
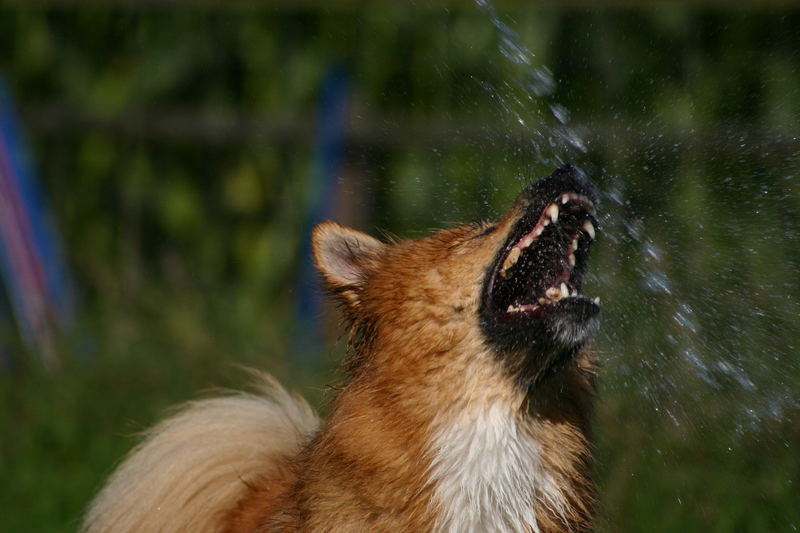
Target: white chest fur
(489, 475)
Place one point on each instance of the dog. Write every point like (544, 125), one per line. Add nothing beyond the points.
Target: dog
(467, 404)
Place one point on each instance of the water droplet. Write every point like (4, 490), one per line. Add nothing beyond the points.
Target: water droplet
(657, 282)
(514, 51)
(540, 81)
(682, 317)
(560, 112)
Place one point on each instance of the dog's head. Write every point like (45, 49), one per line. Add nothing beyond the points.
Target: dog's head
(511, 287)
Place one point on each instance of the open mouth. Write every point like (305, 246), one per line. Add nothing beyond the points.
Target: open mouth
(546, 263)
(538, 274)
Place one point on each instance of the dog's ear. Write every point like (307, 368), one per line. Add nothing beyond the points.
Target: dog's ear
(344, 256)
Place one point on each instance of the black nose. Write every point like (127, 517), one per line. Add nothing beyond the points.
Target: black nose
(566, 178)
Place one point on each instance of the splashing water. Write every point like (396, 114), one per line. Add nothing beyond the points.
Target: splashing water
(529, 100)
(698, 269)
(704, 352)
(704, 336)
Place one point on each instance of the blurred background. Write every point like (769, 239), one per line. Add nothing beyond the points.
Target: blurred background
(162, 162)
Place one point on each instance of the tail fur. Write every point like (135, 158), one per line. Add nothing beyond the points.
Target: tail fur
(192, 468)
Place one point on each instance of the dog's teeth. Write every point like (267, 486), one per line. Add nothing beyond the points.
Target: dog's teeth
(538, 231)
(589, 229)
(596, 300)
(564, 290)
(574, 245)
(511, 309)
(571, 260)
(574, 292)
(527, 241)
(542, 301)
(511, 260)
(564, 198)
(553, 293)
(552, 212)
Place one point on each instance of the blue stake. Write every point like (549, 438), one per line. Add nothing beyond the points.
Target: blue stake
(31, 260)
(329, 147)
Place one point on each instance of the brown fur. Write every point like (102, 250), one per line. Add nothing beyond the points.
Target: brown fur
(418, 359)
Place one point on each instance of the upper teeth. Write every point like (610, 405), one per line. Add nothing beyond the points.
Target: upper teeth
(552, 212)
(589, 229)
(511, 260)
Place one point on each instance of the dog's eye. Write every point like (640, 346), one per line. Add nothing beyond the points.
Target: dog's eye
(485, 229)
(477, 230)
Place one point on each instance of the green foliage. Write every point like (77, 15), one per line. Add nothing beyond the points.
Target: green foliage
(176, 148)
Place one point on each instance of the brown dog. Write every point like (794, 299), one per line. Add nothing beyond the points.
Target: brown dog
(466, 410)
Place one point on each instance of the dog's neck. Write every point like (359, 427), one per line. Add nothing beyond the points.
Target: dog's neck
(489, 474)
(507, 463)
(466, 451)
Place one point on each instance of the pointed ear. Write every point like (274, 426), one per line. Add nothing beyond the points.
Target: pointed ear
(343, 256)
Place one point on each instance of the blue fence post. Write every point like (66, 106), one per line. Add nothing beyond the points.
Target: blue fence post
(31, 260)
(327, 162)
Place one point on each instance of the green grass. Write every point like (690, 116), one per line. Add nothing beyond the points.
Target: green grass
(656, 477)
